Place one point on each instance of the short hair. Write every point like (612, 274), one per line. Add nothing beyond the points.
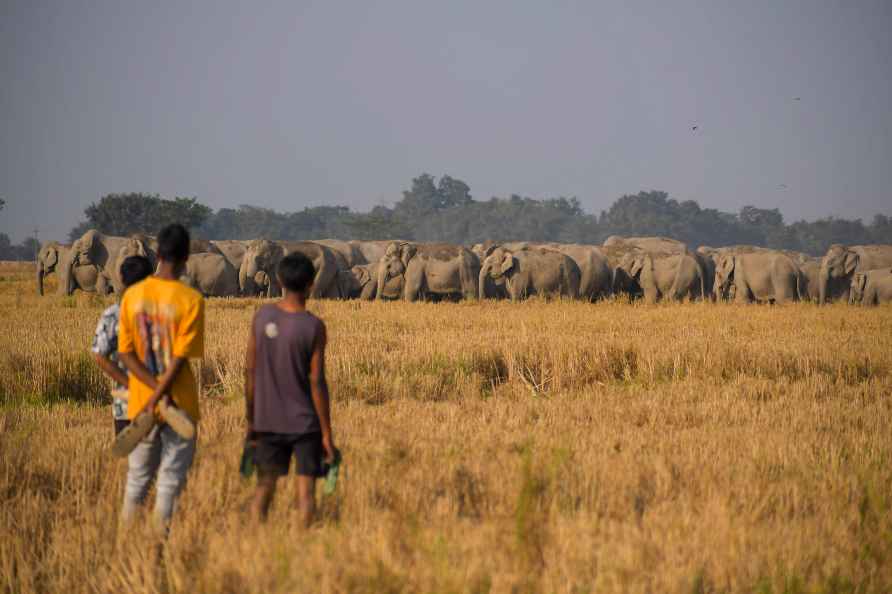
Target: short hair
(296, 272)
(173, 243)
(135, 269)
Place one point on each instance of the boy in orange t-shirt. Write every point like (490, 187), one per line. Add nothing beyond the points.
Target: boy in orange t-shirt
(161, 328)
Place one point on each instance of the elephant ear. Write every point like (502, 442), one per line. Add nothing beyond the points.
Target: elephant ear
(638, 265)
(407, 252)
(726, 266)
(52, 257)
(489, 250)
(508, 263)
(362, 274)
(851, 262)
(392, 249)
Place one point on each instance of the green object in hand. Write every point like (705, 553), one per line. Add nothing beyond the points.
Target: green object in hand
(247, 464)
(332, 469)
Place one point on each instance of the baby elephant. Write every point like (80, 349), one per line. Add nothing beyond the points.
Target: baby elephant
(871, 287)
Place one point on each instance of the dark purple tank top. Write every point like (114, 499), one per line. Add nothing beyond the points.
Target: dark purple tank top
(284, 343)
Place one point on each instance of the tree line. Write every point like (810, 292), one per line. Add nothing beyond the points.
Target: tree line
(444, 210)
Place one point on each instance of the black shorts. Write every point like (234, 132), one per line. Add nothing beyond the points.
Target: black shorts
(273, 453)
(120, 425)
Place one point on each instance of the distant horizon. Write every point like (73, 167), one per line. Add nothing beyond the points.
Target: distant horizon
(288, 105)
(389, 203)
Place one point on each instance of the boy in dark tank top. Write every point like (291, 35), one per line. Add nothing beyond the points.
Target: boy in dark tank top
(286, 395)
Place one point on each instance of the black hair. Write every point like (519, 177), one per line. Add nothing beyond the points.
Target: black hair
(296, 272)
(135, 269)
(173, 243)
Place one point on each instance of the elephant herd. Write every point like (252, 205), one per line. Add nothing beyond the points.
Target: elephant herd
(651, 268)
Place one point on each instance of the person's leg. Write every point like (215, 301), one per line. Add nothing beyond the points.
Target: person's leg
(309, 454)
(142, 464)
(272, 457)
(176, 459)
(305, 498)
(263, 496)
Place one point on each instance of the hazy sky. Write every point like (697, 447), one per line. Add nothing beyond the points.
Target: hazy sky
(287, 104)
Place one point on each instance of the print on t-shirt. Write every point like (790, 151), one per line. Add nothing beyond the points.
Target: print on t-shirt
(157, 327)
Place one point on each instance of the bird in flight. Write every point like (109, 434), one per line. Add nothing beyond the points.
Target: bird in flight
(694, 128)
(797, 98)
(782, 187)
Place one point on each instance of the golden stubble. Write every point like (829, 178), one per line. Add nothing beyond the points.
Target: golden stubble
(490, 447)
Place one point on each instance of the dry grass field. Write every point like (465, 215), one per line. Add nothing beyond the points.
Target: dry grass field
(495, 447)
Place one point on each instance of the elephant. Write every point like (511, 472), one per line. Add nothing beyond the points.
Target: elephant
(105, 253)
(347, 254)
(530, 271)
(211, 274)
(809, 282)
(871, 287)
(257, 272)
(489, 287)
(361, 282)
(841, 262)
(351, 283)
(373, 251)
(232, 250)
(596, 280)
(660, 276)
(763, 276)
(707, 261)
(427, 271)
(803, 261)
(658, 245)
(53, 258)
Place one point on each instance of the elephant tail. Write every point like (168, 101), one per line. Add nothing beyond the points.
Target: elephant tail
(702, 281)
(801, 287)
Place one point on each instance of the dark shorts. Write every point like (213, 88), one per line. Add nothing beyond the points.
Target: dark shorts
(120, 424)
(273, 453)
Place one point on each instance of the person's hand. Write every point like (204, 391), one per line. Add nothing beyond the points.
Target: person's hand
(328, 446)
(152, 403)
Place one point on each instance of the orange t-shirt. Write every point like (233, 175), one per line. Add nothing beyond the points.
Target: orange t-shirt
(162, 319)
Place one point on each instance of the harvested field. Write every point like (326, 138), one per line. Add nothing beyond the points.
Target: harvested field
(490, 447)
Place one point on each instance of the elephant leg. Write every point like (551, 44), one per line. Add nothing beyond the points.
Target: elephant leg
(102, 285)
(741, 293)
(651, 294)
(412, 286)
(369, 291)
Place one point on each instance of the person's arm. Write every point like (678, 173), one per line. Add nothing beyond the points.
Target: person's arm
(250, 364)
(112, 370)
(136, 367)
(160, 385)
(104, 344)
(319, 391)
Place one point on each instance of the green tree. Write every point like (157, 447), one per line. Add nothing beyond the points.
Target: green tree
(5, 247)
(125, 214)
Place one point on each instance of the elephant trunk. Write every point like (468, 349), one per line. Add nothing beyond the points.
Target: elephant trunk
(823, 285)
(66, 274)
(481, 283)
(243, 279)
(382, 280)
(40, 278)
(246, 273)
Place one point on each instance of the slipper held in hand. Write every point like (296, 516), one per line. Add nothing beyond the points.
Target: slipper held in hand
(332, 469)
(178, 420)
(132, 434)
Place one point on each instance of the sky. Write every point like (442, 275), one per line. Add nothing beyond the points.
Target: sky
(287, 103)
